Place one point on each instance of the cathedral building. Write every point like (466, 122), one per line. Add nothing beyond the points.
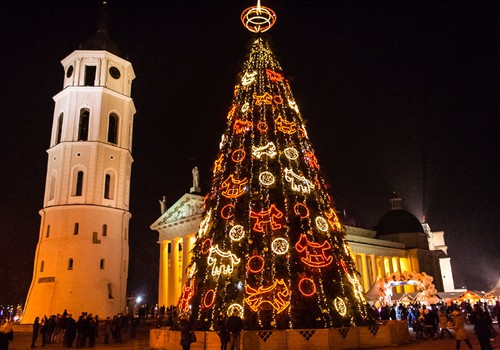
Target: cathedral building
(397, 244)
(81, 259)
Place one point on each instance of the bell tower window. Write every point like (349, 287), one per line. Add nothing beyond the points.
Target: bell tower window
(59, 128)
(79, 183)
(90, 75)
(113, 128)
(109, 186)
(83, 125)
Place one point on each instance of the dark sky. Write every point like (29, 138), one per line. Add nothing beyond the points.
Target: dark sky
(398, 96)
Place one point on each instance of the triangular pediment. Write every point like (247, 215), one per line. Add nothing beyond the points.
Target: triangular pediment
(189, 205)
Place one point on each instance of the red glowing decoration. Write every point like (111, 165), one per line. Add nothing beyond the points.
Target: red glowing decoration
(333, 220)
(238, 155)
(285, 126)
(266, 98)
(227, 211)
(241, 126)
(274, 76)
(255, 264)
(265, 217)
(315, 253)
(262, 126)
(233, 187)
(311, 159)
(277, 295)
(186, 295)
(307, 287)
(205, 245)
(218, 164)
(301, 210)
(278, 99)
(231, 111)
(209, 299)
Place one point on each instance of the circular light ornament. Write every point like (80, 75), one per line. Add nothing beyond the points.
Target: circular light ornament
(236, 233)
(209, 299)
(266, 178)
(291, 153)
(258, 19)
(245, 107)
(307, 287)
(280, 246)
(322, 224)
(233, 307)
(238, 155)
(255, 264)
(301, 210)
(227, 212)
(340, 306)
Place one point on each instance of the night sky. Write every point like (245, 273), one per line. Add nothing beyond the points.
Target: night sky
(398, 96)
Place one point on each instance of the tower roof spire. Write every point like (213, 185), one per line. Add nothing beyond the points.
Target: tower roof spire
(101, 40)
(258, 19)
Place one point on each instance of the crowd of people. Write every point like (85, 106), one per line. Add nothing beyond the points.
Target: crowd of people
(82, 332)
(436, 321)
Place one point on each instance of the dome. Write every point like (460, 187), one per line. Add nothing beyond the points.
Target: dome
(398, 221)
(101, 41)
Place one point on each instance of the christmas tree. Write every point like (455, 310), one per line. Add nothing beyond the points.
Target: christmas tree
(270, 243)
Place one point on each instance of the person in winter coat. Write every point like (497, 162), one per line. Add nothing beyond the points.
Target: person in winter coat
(6, 335)
(186, 336)
(443, 322)
(36, 330)
(235, 326)
(222, 332)
(482, 327)
(106, 330)
(460, 332)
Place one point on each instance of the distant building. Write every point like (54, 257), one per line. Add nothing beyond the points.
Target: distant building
(81, 260)
(398, 243)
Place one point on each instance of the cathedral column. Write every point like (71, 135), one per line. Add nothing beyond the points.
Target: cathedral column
(163, 286)
(364, 274)
(176, 277)
(187, 245)
(374, 268)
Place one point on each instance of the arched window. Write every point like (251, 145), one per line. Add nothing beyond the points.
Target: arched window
(107, 184)
(76, 228)
(110, 291)
(83, 126)
(59, 128)
(52, 189)
(42, 266)
(101, 264)
(79, 183)
(113, 128)
(70, 264)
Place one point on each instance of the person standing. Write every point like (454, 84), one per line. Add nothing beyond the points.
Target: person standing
(6, 335)
(106, 330)
(221, 328)
(69, 332)
(443, 322)
(36, 330)
(482, 327)
(43, 330)
(496, 312)
(186, 337)
(235, 326)
(460, 332)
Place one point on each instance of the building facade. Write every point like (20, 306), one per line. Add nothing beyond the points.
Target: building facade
(81, 259)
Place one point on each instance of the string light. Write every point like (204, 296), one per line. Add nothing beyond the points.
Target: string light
(291, 153)
(265, 98)
(204, 224)
(315, 253)
(301, 210)
(285, 126)
(248, 78)
(238, 155)
(340, 306)
(255, 264)
(277, 295)
(227, 212)
(298, 183)
(265, 217)
(268, 149)
(280, 246)
(222, 262)
(209, 299)
(241, 126)
(274, 76)
(236, 233)
(307, 287)
(233, 187)
(266, 178)
(321, 224)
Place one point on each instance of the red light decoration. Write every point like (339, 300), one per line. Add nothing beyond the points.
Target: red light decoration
(285, 126)
(311, 159)
(333, 219)
(302, 133)
(238, 155)
(262, 126)
(231, 111)
(186, 295)
(241, 126)
(255, 264)
(315, 253)
(233, 188)
(277, 295)
(266, 98)
(205, 245)
(227, 211)
(274, 76)
(301, 210)
(265, 217)
(344, 266)
(209, 299)
(236, 90)
(278, 99)
(307, 287)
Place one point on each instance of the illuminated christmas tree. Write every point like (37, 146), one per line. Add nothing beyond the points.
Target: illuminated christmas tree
(270, 243)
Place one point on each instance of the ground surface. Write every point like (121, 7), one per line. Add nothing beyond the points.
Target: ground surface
(22, 341)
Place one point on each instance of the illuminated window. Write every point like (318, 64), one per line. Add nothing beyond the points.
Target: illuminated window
(90, 75)
(70, 264)
(42, 266)
(104, 230)
(83, 125)
(77, 227)
(59, 128)
(101, 264)
(47, 232)
(113, 128)
(79, 183)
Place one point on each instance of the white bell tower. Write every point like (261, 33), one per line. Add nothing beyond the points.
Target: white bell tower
(81, 260)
